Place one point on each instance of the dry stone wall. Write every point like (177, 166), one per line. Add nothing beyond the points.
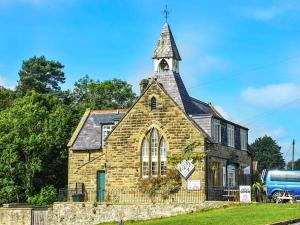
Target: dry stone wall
(88, 213)
(15, 216)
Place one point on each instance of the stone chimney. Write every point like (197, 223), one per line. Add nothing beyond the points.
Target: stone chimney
(143, 85)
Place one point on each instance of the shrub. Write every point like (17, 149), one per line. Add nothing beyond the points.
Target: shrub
(47, 196)
(165, 185)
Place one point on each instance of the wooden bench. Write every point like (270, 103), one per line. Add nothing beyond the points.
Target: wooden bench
(231, 194)
(285, 195)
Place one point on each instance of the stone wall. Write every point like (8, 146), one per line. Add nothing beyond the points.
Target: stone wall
(83, 167)
(123, 150)
(15, 216)
(122, 159)
(87, 213)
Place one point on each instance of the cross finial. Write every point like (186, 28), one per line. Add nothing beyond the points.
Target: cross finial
(166, 13)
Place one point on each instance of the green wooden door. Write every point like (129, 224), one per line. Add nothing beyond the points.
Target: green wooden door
(101, 186)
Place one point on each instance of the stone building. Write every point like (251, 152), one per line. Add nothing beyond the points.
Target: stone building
(116, 149)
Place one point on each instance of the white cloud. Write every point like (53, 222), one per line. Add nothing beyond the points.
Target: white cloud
(270, 12)
(223, 112)
(3, 83)
(271, 95)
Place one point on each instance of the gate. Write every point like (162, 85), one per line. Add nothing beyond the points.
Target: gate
(39, 216)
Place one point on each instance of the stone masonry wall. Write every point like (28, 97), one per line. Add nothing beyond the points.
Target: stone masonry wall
(123, 150)
(83, 167)
(91, 214)
(15, 216)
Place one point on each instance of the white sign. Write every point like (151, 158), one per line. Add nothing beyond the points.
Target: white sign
(186, 168)
(245, 194)
(247, 170)
(193, 184)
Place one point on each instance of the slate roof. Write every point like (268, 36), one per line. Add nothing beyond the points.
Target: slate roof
(166, 46)
(89, 135)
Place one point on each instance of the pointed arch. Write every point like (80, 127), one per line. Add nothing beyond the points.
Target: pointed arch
(164, 66)
(153, 103)
(163, 156)
(145, 157)
(153, 154)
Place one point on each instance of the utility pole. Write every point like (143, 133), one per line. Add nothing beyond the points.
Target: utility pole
(293, 156)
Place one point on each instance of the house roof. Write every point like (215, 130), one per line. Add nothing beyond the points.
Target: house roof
(166, 46)
(88, 135)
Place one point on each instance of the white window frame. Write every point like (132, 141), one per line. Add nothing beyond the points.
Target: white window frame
(231, 176)
(106, 129)
(145, 158)
(217, 130)
(163, 157)
(230, 135)
(154, 152)
(244, 139)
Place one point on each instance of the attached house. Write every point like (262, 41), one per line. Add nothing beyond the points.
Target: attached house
(116, 149)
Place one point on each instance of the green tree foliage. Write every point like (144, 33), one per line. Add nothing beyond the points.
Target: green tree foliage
(40, 75)
(33, 136)
(108, 94)
(47, 196)
(296, 165)
(267, 153)
(6, 98)
(36, 123)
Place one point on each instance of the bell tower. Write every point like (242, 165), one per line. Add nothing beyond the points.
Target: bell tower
(166, 56)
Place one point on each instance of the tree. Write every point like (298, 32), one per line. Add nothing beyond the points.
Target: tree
(7, 96)
(108, 94)
(296, 165)
(34, 133)
(267, 153)
(40, 75)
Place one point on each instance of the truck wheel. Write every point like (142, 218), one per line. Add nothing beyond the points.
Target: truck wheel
(275, 195)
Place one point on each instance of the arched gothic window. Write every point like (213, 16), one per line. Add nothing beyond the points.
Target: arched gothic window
(145, 158)
(154, 162)
(153, 103)
(163, 157)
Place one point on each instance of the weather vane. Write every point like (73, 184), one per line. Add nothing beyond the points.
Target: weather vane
(166, 13)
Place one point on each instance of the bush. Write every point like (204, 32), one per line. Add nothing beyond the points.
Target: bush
(47, 196)
(165, 185)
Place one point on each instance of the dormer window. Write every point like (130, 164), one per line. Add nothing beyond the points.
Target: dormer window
(106, 129)
(153, 104)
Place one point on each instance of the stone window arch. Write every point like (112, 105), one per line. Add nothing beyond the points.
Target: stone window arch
(164, 66)
(153, 103)
(153, 154)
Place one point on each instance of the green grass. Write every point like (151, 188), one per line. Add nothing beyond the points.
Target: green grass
(255, 214)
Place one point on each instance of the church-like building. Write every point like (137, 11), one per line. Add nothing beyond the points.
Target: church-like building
(117, 149)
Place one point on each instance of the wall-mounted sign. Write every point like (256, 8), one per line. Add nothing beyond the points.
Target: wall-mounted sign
(247, 170)
(186, 168)
(245, 194)
(193, 184)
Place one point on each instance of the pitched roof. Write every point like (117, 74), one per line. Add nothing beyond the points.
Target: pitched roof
(166, 46)
(174, 86)
(205, 108)
(88, 135)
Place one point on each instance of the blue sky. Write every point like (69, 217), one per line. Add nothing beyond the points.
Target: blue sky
(243, 56)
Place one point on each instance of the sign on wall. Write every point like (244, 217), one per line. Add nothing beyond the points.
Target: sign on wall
(245, 194)
(193, 184)
(186, 168)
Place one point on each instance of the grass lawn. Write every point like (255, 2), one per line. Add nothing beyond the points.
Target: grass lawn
(255, 214)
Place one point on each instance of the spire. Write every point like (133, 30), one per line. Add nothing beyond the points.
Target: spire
(166, 46)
